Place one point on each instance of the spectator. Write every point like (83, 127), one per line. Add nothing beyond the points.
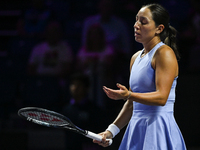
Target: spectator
(81, 111)
(95, 59)
(53, 57)
(115, 29)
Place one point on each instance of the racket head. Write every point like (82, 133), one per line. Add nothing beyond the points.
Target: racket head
(48, 118)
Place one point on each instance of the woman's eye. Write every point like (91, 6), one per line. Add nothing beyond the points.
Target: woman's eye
(143, 22)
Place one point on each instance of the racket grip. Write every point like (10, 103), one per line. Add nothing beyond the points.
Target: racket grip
(97, 137)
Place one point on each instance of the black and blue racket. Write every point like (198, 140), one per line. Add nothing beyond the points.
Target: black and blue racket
(53, 119)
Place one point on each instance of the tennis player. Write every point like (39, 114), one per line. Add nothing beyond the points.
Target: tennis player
(149, 105)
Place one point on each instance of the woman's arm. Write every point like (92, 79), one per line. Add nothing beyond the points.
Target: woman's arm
(121, 120)
(125, 115)
(166, 69)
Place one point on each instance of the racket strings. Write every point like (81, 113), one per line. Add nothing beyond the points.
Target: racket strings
(49, 118)
(45, 117)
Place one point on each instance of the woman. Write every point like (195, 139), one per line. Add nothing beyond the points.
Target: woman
(153, 78)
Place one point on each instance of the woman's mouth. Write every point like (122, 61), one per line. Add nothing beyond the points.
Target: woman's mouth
(137, 34)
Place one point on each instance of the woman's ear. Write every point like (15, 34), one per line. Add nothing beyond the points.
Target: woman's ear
(159, 29)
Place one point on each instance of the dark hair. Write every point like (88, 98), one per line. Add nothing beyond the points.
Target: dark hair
(161, 16)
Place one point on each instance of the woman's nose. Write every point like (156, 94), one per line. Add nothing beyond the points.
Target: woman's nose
(136, 25)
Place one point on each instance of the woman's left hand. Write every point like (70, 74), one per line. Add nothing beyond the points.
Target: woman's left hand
(122, 93)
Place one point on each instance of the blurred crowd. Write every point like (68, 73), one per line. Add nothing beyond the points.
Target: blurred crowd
(64, 51)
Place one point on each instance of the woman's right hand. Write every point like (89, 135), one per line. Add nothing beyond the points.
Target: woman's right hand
(105, 135)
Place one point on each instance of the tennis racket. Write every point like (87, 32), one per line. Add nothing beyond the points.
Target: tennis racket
(53, 119)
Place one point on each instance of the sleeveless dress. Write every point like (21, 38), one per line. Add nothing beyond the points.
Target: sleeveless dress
(151, 127)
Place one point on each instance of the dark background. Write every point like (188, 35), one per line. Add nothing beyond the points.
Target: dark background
(17, 134)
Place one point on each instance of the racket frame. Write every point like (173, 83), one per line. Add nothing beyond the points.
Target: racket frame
(72, 127)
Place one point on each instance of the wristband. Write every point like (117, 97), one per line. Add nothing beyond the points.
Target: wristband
(128, 96)
(113, 129)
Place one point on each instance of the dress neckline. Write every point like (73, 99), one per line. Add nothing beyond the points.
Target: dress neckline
(141, 57)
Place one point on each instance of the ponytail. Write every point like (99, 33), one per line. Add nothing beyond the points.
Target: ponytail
(161, 16)
(170, 40)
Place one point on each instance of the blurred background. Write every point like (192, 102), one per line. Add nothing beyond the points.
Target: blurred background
(57, 54)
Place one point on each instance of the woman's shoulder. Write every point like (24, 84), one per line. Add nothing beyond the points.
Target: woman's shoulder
(134, 56)
(164, 51)
(164, 55)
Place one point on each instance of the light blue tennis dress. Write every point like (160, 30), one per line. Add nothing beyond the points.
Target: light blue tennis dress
(151, 127)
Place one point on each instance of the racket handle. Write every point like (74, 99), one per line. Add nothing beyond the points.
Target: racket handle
(97, 137)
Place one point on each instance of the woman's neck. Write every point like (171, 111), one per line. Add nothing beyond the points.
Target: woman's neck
(151, 44)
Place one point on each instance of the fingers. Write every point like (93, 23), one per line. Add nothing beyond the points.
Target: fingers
(116, 94)
(104, 142)
(107, 89)
(121, 86)
(109, 92)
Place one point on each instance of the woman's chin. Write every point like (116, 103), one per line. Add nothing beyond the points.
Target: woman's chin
(138, 40)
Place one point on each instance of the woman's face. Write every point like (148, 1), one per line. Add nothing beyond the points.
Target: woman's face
(144, 27)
